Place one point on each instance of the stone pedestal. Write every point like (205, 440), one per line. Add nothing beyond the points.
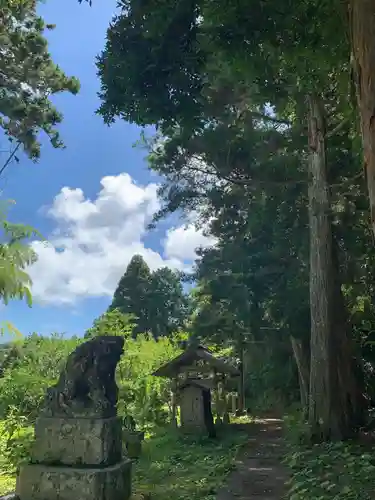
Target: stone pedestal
(77, 453)
(75, 441)
(76, 458)
(43, 482)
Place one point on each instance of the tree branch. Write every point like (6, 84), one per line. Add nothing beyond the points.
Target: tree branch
(337, 129)
(10, 158)
(267, 118)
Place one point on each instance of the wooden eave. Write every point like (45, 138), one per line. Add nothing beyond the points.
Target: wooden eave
(187, 358)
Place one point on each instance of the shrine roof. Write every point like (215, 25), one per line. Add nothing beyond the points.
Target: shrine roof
(189, 356)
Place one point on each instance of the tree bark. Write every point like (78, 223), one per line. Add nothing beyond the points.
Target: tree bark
(335, 405)
(303, 370)
(362, 28)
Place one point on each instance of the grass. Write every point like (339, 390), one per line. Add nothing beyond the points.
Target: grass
(183, 468)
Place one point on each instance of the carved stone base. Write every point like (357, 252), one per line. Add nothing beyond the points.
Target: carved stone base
(77, 441)
(42, 482)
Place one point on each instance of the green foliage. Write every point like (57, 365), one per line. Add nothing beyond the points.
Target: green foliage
(130, 296)
(23, 384)
(7, 328)
(341, 470)
(16, 438)
(179, 468)
(334, 471)
(270, 376)
(7, 483)
(15, 256)
(112, 322)
(16, 441)
(29, 78)
(140, 82)
(177, 67)
(40, 359)
(24, 381)
(229, 106)
(142, 395)
(155, 300)
(168, 305)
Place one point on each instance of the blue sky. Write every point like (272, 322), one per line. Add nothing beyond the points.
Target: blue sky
(98, 228)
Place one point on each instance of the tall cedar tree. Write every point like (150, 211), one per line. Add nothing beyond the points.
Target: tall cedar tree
(362, 39)
(132, 293)
(156, 300)
(202, 67)
(168, 305)
(336, 30)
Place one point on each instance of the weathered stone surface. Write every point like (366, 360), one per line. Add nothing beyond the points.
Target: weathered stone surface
(87, 385)
(41, 482)
(77, 453)
(9, 496)
(77, 441)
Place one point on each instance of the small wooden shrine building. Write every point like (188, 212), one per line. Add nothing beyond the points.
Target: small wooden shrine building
(195, 374)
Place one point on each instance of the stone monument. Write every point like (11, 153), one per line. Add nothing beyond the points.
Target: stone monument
(77, 452)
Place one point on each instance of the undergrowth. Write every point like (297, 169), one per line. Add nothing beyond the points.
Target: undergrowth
(15, 441)
(183, 468)
(334, 471)
(172, 466)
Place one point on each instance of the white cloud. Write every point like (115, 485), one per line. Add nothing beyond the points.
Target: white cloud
(94, 240)
(181, 242)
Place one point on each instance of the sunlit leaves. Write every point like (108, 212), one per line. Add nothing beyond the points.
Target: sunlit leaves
(15, 256)
(7, 328)
(112, 322)
(29, 77)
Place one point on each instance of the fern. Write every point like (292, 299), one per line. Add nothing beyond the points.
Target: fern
(15, 256)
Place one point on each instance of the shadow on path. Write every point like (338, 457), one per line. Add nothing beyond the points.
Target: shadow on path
(259, 473)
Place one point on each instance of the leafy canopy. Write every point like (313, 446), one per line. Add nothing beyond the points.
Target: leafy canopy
(29, 78)
(155, 300)
(112, 322)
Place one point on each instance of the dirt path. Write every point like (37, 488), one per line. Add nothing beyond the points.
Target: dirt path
(259, 473)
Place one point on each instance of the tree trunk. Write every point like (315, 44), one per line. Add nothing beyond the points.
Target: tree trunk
(334, 400)
(303, 370)
(362, 27)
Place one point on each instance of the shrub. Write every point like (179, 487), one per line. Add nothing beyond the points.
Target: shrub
(24, 383)
(142, 395)
(327, 471)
